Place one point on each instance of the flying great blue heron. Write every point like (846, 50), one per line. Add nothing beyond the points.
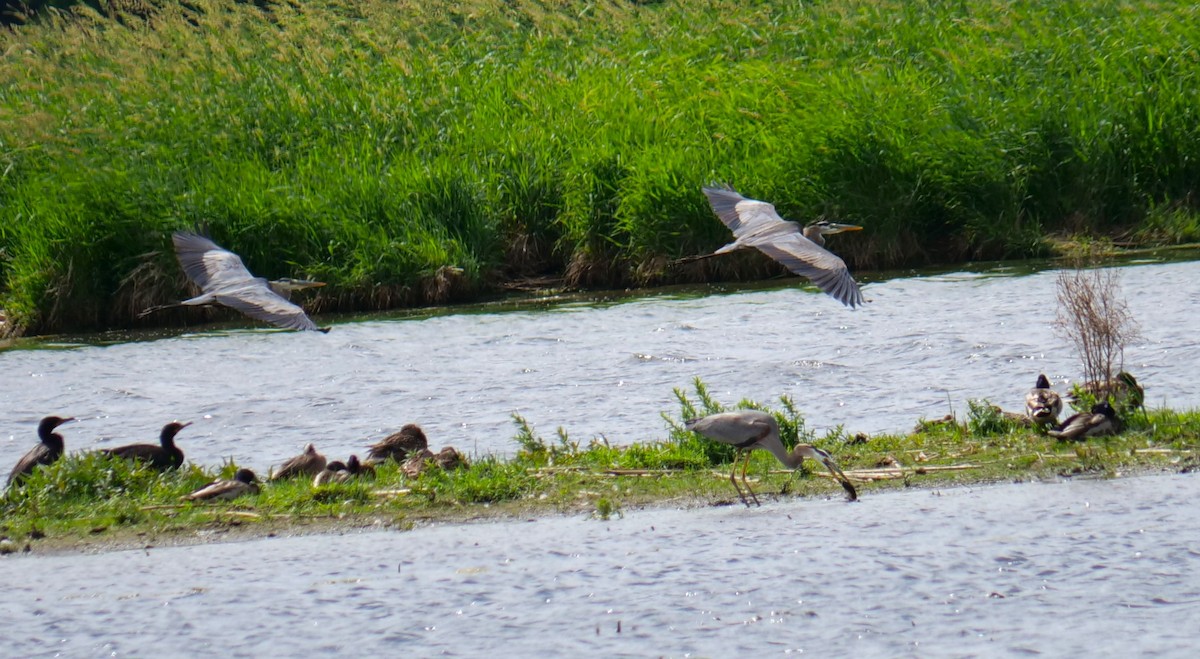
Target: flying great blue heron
(756, 224)
(223, 279)
(747, 430)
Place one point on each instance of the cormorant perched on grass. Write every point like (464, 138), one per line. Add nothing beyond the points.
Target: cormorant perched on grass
(49, 450)
(162, 457)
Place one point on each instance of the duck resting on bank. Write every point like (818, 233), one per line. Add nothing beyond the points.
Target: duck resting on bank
(243, 482)
(1102, 420)
(1043, 404)
(309, 464)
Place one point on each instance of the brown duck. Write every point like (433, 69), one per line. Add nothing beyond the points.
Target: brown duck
(308, 463)
(243, 482)
(398, 446)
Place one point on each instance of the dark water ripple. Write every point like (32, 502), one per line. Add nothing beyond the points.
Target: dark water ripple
(1104, 568)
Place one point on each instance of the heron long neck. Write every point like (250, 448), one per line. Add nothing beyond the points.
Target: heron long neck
(813, 233)
(790, 460)
(281, 289)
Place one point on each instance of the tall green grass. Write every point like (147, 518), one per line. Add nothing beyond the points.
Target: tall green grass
(372, 144)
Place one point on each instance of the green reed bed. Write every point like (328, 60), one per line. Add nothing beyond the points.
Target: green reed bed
(417, 152)
(92, 500)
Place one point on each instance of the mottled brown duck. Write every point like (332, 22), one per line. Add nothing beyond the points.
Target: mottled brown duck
(399, 445)
(243, 482)
(309, 464)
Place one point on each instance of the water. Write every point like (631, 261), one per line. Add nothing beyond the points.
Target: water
(922, 348)
(1097, 567)
(1102, 568)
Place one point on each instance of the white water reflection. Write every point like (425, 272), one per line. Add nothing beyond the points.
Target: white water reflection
(1096, 568)
(921, 348)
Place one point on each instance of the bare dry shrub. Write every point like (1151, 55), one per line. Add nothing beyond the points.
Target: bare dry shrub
(1093, 315)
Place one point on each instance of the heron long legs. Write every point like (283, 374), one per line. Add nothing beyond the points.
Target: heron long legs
(744, 455)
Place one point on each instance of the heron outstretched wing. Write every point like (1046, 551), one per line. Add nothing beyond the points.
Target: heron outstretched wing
(259, 301)
(224, 279)
(208, 264)
(756, 224)
(743, 216)
(805, 258)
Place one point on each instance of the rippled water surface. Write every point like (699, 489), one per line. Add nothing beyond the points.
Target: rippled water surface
(1095, 568)
(921, 348)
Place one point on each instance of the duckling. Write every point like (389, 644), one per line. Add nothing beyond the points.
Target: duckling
(1043, 404)
(399, 445)
(334, 472)
(308, 463)
(1102, 420)
(243, 482)
(162, 457)
(449, 459)
(415, 464)
(357, 468)
(49, 450)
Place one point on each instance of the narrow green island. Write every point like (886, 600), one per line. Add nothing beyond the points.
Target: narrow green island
(90, 502)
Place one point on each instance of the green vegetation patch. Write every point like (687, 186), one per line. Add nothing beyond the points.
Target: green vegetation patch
(92, 500)
(416, 152)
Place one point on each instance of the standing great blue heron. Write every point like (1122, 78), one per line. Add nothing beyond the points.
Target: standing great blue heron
(756, 224)
(46, 452)
(1102, 420)
(223, 279)
(747, 430)
(162, 457)
(1043, 404)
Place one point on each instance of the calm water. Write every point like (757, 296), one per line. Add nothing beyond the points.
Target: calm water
(922, 348)
(1096, 568)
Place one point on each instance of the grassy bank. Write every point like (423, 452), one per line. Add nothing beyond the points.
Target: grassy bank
(88, 501)
(382, 146)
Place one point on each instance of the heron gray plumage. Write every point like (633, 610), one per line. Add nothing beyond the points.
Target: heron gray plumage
(756, 224)
(1043, 404)
(747, 430)
(223, 279)
(49, 448)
